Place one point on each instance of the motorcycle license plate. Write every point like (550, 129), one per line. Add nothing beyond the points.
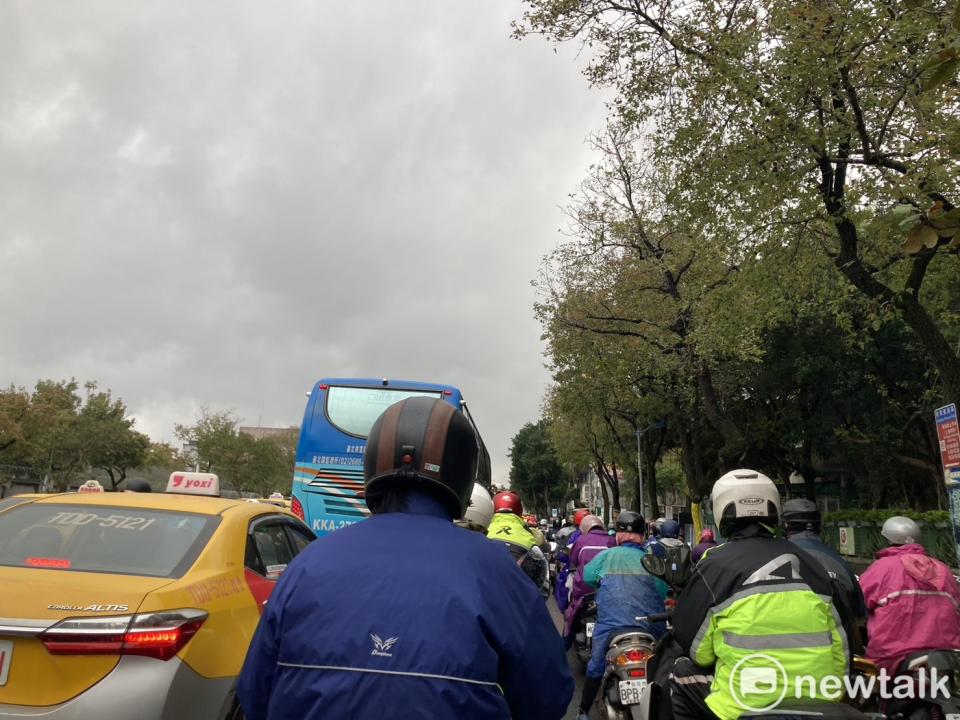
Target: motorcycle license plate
(590, 627)
(631, 691)
(6, 653)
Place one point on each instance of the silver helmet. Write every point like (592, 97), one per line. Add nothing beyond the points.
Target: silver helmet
(899, 530)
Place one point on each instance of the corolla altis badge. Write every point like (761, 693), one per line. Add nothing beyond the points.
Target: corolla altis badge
(96, 607)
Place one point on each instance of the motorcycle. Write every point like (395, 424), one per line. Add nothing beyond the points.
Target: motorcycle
(627, 690)
(554, 565)
(928, 703)
(583, 626)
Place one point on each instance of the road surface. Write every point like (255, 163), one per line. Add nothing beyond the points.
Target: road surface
(575, 666)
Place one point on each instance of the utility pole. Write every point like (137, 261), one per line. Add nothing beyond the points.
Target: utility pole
(657, 425)
(643, 500)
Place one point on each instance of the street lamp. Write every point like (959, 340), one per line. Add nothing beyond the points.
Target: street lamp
(658, 425)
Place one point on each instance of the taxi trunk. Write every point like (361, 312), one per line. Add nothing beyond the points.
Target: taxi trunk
(74, 579)
(41, 666)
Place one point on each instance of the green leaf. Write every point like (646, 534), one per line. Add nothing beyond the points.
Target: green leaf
(913, 243)
(943, 73)
(904, 209)
(929, 237)
(910, 222)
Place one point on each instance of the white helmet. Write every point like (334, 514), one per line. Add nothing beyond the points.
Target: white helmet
(589, 523)
(744, 494)
(900, 530)
(480, 508)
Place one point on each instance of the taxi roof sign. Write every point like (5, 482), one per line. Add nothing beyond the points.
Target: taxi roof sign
(90, 486)
(182, 482)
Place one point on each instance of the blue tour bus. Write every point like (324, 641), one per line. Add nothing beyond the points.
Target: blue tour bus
(328, 477)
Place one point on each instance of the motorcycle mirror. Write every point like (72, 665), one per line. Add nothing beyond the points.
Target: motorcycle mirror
(654, 565)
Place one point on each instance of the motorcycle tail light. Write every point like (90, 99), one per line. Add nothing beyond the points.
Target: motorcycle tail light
(633, 655)
(637, 673)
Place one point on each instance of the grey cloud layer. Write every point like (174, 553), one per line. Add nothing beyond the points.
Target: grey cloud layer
(215, 203)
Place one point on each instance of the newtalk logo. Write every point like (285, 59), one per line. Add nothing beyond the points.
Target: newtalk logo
(759, 677)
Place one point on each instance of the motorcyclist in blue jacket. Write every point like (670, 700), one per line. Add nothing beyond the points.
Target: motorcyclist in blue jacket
(405, 615)
(626, 591)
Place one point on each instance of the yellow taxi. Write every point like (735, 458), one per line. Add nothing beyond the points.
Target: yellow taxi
(135, 605)
(13, 500)
(277, 499)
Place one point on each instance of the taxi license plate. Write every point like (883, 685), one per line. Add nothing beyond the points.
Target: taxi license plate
(631, 691)
(6, 654)
(590, 627)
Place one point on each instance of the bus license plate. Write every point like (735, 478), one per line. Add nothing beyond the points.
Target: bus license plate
(631, 690)
(590, 627)
(6, 654)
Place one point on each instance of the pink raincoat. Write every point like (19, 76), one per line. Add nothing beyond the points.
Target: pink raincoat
(913, 603)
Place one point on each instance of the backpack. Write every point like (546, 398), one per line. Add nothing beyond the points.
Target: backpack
(679, 565)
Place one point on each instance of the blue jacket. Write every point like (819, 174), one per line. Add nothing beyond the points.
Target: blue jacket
(836, 567)
(405, 615)
(627, 590)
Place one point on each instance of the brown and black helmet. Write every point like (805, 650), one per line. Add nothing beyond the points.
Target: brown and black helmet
(422, 442)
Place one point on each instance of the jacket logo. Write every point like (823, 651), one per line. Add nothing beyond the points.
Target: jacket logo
(782, 567)
(505, 530)
(381, 647)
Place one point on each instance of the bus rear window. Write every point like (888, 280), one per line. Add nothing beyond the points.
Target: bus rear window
(353, 410)
(87, 538)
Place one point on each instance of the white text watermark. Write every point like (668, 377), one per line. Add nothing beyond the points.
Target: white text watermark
(762, 678)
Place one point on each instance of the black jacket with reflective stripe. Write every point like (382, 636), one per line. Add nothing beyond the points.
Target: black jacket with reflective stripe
(752, 558)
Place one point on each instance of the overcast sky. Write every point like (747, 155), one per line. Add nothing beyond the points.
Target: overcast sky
(217, 202)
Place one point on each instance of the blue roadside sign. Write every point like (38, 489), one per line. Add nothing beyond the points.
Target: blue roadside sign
(948, 434)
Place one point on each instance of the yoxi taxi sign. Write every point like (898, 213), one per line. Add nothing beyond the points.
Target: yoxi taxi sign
(193, 483)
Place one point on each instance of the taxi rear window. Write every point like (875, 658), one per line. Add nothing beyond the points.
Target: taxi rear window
(127, 541)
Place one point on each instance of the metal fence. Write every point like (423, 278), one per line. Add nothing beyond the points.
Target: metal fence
(866, 539)
(18, 478)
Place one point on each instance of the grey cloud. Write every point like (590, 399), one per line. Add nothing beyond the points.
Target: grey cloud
(216, 203)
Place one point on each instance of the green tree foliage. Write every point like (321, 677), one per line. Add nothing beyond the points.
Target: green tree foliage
(106, 433)
(61, 433)
(535, 472)
(764, 358)
(828, 129)
(249, 464)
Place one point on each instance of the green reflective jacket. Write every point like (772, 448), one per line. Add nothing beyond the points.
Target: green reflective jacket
(762, 612)
(507, 527)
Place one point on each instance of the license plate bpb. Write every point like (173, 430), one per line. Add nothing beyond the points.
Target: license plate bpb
(631, 691)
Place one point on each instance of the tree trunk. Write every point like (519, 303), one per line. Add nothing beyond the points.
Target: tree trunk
(637, 498)
(914, 314)
(615, 494)
(734, 443)
(806, 469)
(606, 498)
(650, 478)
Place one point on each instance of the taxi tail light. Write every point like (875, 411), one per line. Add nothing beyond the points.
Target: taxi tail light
(158, 635)
(297, 509)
